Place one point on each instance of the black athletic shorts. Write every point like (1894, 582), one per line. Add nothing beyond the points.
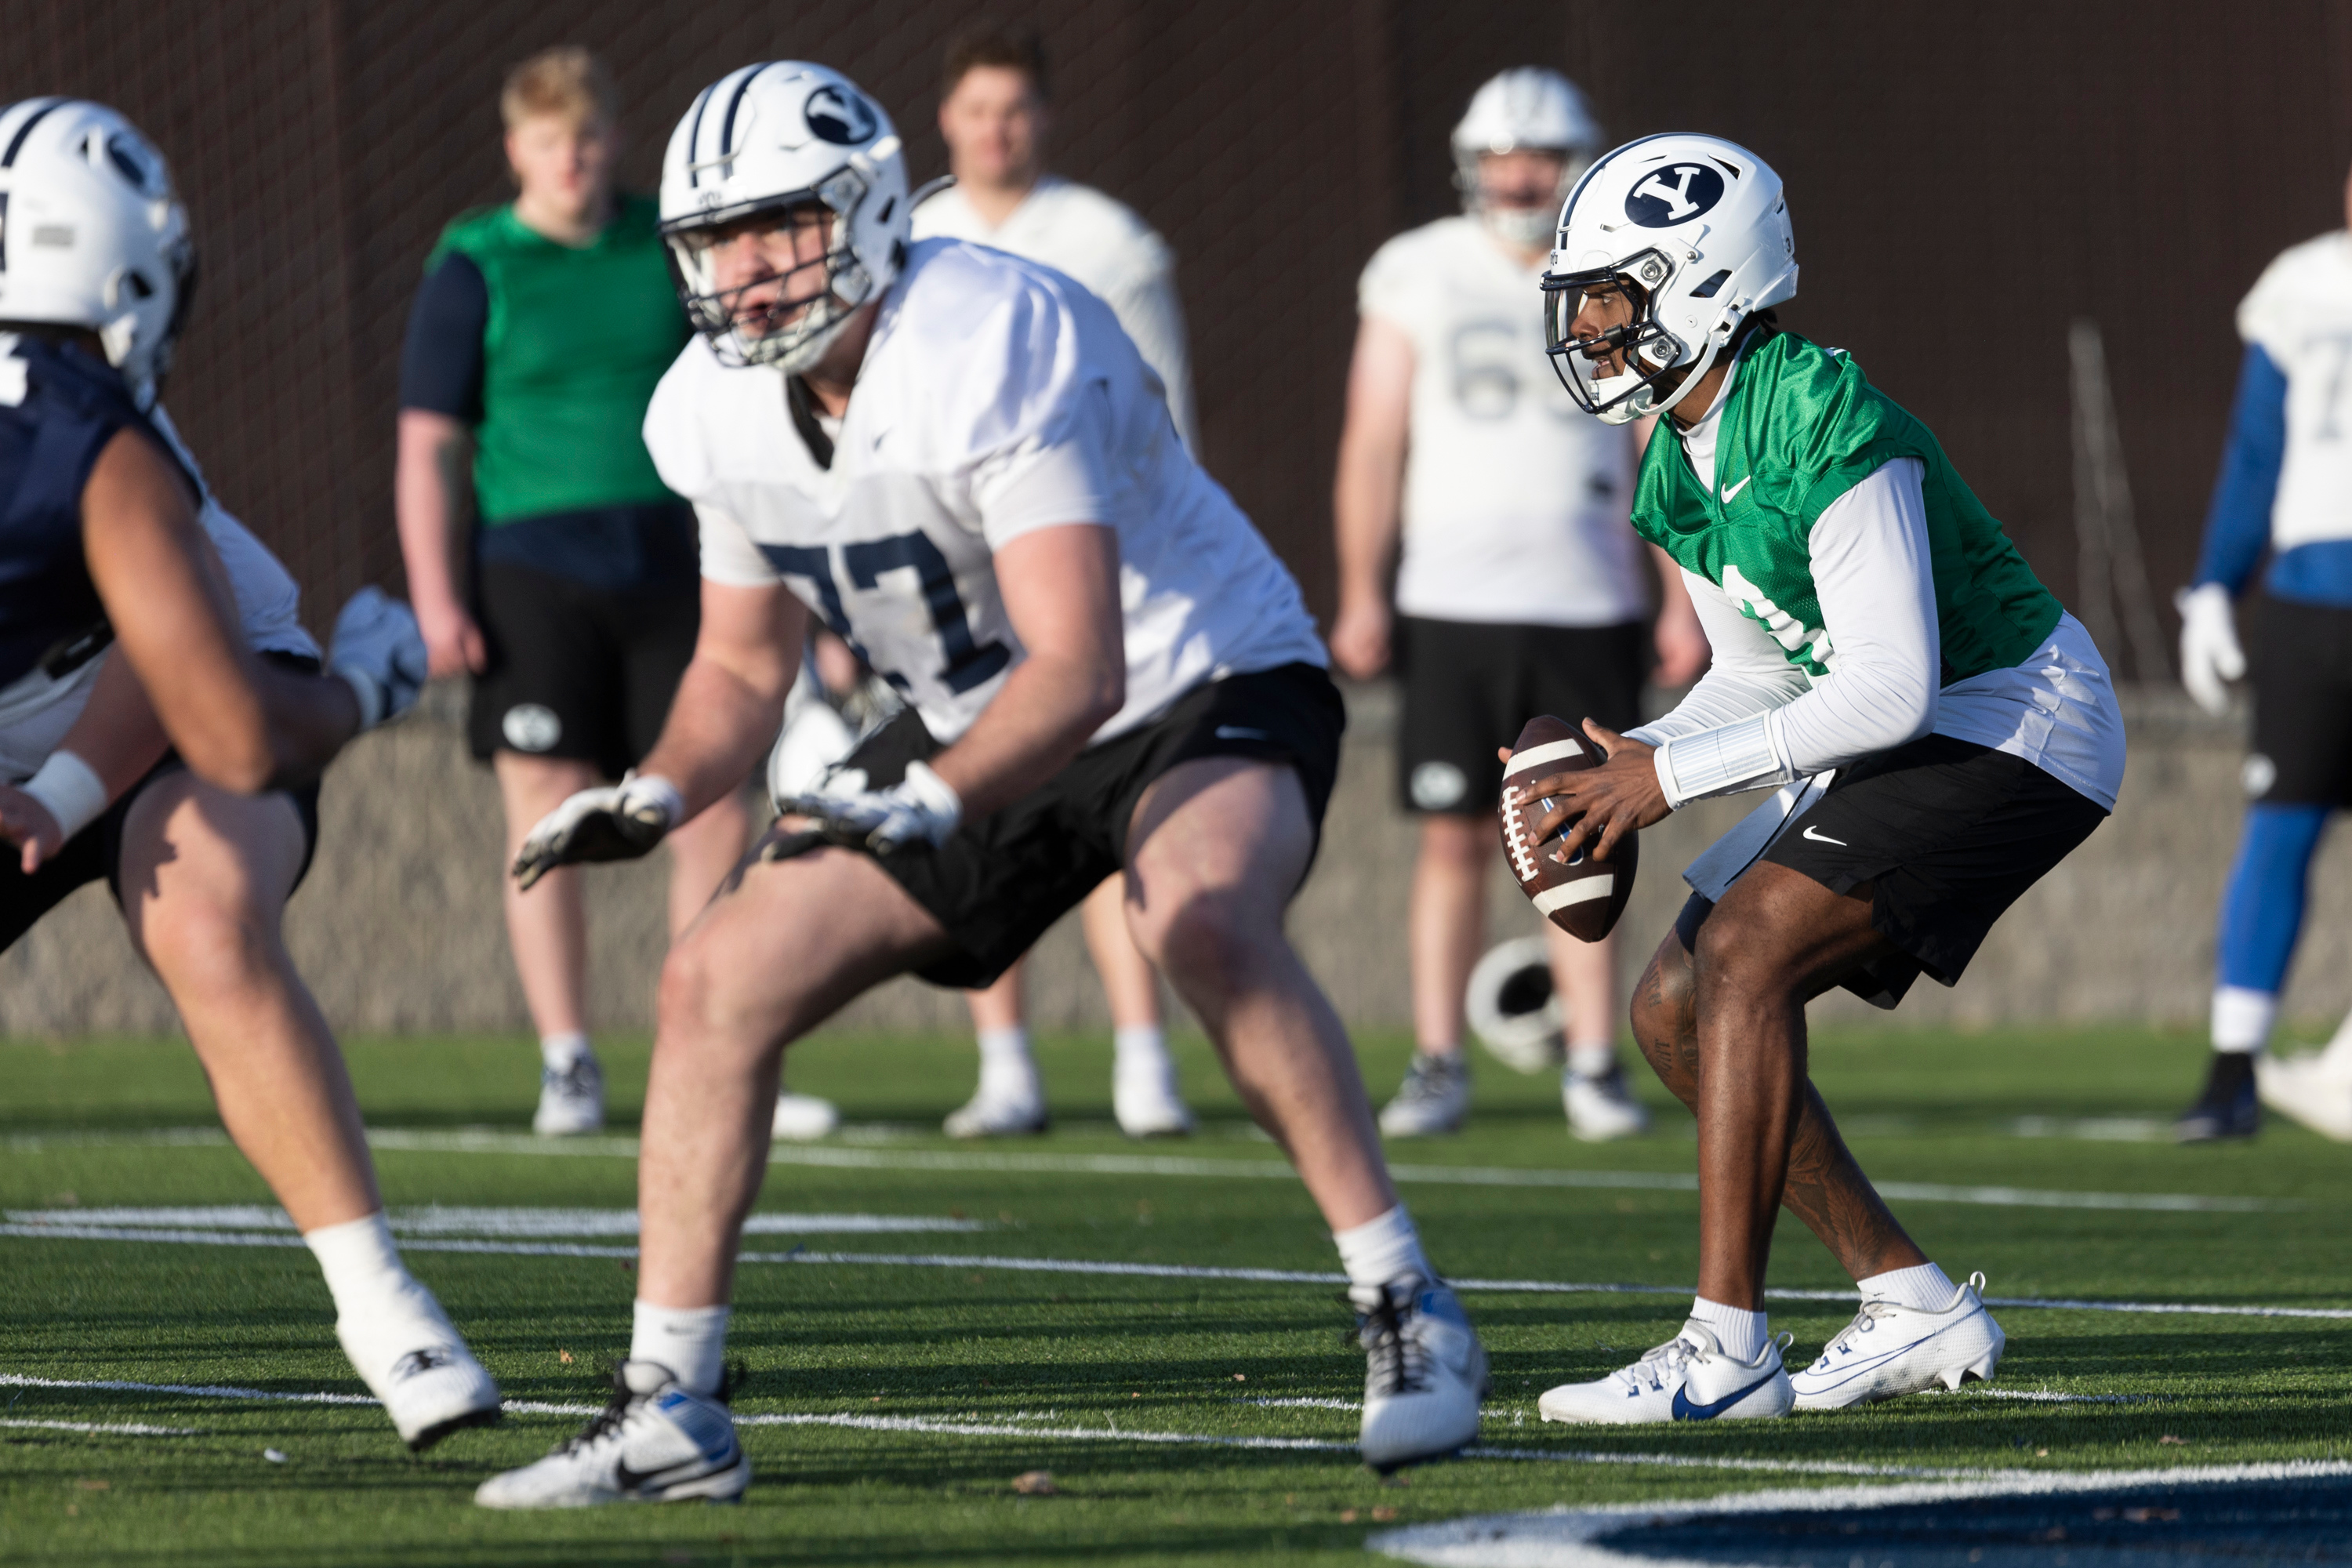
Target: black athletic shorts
(97, 850)
(1000, 882)
(2302, 659)
(578, 670)
(1948, 834)
(1470, 687)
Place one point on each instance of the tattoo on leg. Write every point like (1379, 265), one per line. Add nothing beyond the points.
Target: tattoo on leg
(1827, 1190)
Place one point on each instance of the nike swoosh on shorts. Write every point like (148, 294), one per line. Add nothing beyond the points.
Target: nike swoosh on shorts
(1820, 837)
(1685, 1411)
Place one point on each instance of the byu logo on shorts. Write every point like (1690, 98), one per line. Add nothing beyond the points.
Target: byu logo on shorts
(1675, 193)
(528, 727)
(839, 116)
(1438, 787)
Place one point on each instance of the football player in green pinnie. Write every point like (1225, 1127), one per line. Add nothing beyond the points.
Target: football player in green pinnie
(1941, 734)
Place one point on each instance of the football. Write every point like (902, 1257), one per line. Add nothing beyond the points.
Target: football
(1582, 896)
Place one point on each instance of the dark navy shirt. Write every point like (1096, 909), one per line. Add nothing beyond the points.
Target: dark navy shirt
(58, 408)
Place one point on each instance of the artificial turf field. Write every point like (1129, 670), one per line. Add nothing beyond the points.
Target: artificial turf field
(904, 1398)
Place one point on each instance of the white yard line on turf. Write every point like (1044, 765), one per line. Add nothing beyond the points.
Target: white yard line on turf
(107, 1428)
(487, 1141)
(1567, 1537)
(205, 1237)
(437, 1219)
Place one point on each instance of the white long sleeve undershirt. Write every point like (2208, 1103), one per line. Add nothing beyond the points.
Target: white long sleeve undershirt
(1755, 720)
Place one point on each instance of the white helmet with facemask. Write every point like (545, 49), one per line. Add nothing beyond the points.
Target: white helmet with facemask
(765, 139)
(92, 235)
(1525, 110)
(1694, 232)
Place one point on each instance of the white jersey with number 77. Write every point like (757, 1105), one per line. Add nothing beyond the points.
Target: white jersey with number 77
(996, 398)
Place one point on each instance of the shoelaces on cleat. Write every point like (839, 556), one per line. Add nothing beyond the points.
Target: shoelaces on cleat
(1656, 1363)
(1399, 1364)
(607, 1421)
(1862, 1320)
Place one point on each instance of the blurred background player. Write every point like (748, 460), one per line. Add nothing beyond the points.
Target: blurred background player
(2285, 487)
(995, 115)
(533, 348)
(1521, 589)
(108, 526)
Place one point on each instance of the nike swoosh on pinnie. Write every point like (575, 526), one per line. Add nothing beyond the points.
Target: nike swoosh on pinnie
(1730, 490)
(1685, 1411)
(1820, 837)
(1236, 732)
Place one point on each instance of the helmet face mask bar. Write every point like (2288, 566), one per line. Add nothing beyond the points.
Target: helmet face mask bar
(1637, 343)
(792, 330)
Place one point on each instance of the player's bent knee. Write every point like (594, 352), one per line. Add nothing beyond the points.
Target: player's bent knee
(1207, 941)
(209, 943)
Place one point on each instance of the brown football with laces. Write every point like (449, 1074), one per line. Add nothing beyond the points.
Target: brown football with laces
(1583, 895)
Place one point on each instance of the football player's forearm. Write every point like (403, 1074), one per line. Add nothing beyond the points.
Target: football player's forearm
(117, 732)
(721, 724)
(1365, 505)
(1044, 716)
(430, 494)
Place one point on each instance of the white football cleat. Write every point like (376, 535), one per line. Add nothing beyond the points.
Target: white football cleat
(1144, 1098)
(1890, 1350)
(1602, 1109)
(1689, 1378)
(804, 1118)
(654, 1442)
(1433, 1099)
(2314, 1088)
(1425, 1373)
(571, 1099)
(430, 1383)
(990, 1114)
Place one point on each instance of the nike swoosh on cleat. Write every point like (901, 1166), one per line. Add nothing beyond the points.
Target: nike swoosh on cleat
(1730, 490)
(1820, 837)
(628, 1480)
(1685, 1411)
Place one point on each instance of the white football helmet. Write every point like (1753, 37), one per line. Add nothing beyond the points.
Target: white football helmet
(1695, 233)
(92, 235)
(1530, 109)
(768, 137)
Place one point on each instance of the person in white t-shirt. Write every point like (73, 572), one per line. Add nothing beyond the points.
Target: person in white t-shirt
(959, 461)
(993, 114)
(1522, 588)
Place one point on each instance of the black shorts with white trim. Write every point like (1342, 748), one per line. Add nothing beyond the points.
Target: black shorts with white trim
(1470, 687)
(1946, 833)
(2302, 658)
(1000, 880)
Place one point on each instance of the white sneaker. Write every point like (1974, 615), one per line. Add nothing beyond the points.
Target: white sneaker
(1602, 1109)
(2314, 1088)
(804, 1118)
(1689, 1378)
(654, 1442)
(1435, 1096)
(993, 1113)
(1425, 1373)
(571, 1099)
(1144, 1098)
(430, 1383)
(1889, 1351)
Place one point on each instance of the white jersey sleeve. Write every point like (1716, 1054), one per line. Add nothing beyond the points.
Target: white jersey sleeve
(2299, 313)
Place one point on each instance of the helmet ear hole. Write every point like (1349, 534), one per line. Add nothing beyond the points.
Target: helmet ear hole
(136, 285)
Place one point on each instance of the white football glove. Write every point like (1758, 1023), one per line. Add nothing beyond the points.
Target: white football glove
(2209, 654)
(924, 808)
(378, 649)
(617, 822)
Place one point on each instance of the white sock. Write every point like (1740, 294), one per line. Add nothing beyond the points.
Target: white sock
(1139, 1048)
(1379, 1250)
(1594, 1058)
(1007, 1071)
(689, 1341)
(1925, 1288)
(1741, 1332)
(560, 1051)
(364, 1273)
(2242, 1018)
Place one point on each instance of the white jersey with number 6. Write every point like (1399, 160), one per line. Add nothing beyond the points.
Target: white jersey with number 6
(995, 399)
(1516, 500)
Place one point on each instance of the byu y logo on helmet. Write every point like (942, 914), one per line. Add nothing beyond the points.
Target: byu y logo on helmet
(839, 116)
(1675, 195)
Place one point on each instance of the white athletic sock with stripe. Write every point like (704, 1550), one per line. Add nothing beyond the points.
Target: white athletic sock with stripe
(689, 1341)
(1925, 1288)
(1741, 1332)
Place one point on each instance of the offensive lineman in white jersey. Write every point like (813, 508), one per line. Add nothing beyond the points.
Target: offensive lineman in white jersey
(995, 115)
(962, 465)
(1521, 590)
(122, 735)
